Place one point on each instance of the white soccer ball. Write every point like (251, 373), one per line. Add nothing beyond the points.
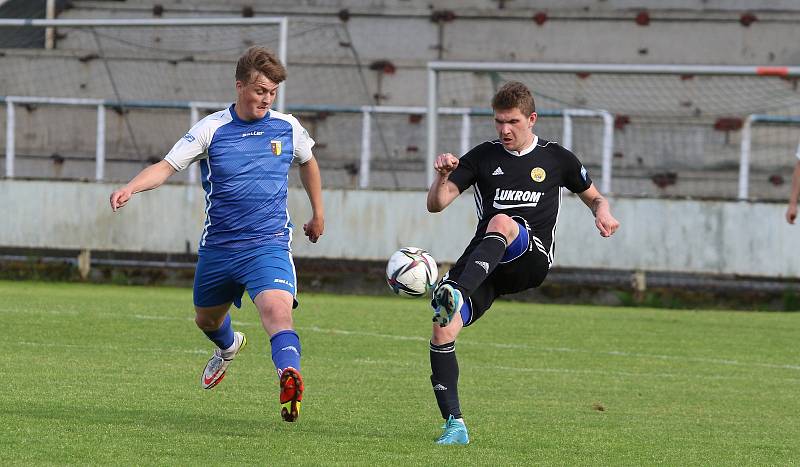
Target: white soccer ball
(411, 272)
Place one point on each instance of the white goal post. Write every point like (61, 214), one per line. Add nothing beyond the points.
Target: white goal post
(747, 146)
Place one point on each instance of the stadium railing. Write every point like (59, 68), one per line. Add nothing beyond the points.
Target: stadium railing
(196, 108)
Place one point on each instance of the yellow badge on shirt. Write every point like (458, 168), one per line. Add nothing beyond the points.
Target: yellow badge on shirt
(276, 147)
(538, 174)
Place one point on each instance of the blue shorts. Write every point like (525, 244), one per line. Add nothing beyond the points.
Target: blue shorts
(222, 275)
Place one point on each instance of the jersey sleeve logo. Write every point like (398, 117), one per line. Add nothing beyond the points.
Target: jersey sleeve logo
(276, 147)
(188, 137)
(538, 174)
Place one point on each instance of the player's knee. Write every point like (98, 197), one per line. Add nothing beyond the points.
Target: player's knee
(443, 335)
(208, 323)
(439, 338)
(276, 316)
(280, 313)
(503, 224)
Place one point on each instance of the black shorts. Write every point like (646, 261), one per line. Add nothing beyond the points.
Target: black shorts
(525, 272)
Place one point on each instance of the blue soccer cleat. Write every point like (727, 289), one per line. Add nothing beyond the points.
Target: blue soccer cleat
(455, 432)
(448, 301)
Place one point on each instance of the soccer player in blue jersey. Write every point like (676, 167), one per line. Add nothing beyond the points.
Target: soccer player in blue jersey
(517, 181)
(245, 152)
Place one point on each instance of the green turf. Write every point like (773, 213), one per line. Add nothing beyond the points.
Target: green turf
(110, 375)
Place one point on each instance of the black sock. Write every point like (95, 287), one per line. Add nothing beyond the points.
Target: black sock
(482, 261)
(444, 379)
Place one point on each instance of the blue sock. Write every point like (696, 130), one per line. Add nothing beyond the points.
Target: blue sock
(285, 350)
(223, 336)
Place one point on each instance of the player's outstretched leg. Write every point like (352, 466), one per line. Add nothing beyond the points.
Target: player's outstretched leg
(291, 394)
(455, 432)
(448, 300)
(218, 364)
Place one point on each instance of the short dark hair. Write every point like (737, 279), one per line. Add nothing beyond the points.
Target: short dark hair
(514, 95)
(259, 59)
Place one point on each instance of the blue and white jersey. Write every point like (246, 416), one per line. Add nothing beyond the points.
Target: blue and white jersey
(245, 173)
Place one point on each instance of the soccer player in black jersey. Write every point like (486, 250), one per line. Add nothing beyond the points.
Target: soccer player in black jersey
(517, 182)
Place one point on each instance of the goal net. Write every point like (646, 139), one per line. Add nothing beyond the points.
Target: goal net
(677, 129)
(155, 67)
(103, 58)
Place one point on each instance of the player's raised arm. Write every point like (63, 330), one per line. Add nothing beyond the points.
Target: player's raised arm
(442, 192)
(605, 222)
(312, 182)
(149, 178)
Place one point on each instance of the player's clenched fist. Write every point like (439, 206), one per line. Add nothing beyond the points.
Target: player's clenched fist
(314, 228)
(445, 163)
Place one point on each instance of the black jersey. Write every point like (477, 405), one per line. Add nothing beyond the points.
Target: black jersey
(527, 186)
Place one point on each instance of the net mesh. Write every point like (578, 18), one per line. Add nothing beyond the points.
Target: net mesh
(156, 65)
(675, 135)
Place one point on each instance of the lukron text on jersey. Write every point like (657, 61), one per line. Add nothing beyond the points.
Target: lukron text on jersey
(517, 195)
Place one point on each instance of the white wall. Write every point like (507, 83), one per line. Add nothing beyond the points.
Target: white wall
(656, 235)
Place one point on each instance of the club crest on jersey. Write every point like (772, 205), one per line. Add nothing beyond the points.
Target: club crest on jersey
(276, 147)
(538, 174)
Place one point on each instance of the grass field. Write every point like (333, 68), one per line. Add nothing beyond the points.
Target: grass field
(110, 375)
